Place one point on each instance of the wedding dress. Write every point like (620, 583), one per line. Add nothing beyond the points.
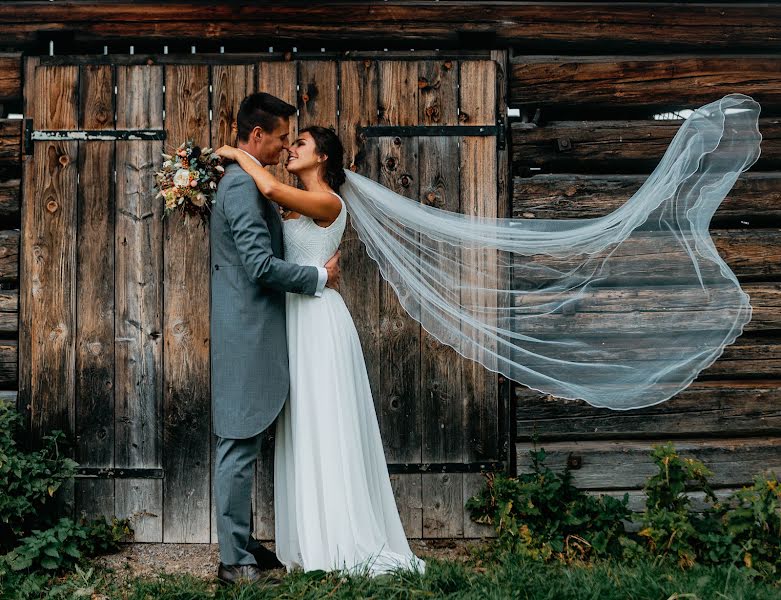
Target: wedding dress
(334, 504)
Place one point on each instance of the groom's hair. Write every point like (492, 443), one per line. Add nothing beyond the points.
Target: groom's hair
(260, 110)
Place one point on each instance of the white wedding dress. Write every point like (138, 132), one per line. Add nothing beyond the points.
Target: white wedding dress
(334, 504)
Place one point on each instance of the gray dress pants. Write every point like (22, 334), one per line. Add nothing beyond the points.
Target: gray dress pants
(234, 471)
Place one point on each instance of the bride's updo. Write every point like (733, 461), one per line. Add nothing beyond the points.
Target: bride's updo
(328, 143)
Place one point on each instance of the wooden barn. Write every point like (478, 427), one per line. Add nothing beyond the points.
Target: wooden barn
(568, 105)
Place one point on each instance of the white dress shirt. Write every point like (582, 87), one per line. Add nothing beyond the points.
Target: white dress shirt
(322, 272)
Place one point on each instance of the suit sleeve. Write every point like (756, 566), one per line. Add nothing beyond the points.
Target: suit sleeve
(253, 242)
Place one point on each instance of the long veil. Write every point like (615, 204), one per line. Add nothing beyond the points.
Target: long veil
(622, 311)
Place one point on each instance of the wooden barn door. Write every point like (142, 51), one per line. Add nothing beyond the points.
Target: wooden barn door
(114, 301)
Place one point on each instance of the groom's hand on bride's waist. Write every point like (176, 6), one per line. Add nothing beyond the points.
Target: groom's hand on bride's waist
(332, 266)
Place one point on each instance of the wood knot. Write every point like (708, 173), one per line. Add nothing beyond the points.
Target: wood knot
(367, 63)
(391, 163)
(422, 83)
(448, 64)
(64, 160)
(405, 180)
(463, 117)
(52, 206)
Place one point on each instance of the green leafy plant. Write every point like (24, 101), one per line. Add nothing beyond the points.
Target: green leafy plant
(542, 515)
(35, 542)
(29, 480)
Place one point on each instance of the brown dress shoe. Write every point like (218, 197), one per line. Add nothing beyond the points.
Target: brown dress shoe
(232, 574)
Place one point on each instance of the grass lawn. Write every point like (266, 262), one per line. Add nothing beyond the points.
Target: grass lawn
(462, 577)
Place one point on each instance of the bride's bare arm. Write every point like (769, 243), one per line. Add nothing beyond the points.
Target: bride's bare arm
(320, 206)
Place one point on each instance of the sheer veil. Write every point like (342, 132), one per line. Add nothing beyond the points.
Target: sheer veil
(622, 311)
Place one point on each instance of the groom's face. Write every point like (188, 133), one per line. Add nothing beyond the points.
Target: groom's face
(271, 143)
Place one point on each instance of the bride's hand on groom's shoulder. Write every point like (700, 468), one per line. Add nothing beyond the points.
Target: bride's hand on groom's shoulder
(227, 152)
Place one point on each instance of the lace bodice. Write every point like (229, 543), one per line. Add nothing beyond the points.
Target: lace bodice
(306, 243)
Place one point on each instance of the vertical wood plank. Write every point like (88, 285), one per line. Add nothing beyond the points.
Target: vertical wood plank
(24, 397)
(317, 97)
(279, 79)
(186, 514)
(138, 246)
(478, 197)
(506, 400)
(400, 334)
(95, 294)
(441, 366)
(230, 84)
(49, 240)
(360, 282)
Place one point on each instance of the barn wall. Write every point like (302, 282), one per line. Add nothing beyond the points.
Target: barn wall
(584, 143)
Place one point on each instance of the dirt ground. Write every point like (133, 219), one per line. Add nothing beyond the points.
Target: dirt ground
(201, 560)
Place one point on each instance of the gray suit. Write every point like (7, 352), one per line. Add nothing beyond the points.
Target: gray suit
(249, 363)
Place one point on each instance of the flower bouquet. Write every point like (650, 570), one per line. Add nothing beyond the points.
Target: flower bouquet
(188, 180)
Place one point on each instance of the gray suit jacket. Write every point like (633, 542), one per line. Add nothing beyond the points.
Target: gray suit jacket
(249, 278)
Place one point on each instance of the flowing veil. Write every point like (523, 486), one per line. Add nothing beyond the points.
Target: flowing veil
(622, 311)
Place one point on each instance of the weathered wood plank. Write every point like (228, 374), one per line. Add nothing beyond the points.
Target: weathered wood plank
(230, 84)
(9, 256)
(10, 143)
(755, 356)
(10, 75)
(527, 25)
(478, 197)
(506, 400)
(441, 366)
(24, 405)
(613, 146)
(752, 254)
(705, 408)
(8, 363)
(317, 100)
(186, 515)
(50, 244)
(606, 308)
(9, 311)
(94, 403)
(400, 419)
(624, 464)
(138, 244)
(754, 200)
(360, 281)
(661, 82)
(10, 207)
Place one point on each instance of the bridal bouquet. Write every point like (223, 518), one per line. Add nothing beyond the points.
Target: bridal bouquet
(188, 180)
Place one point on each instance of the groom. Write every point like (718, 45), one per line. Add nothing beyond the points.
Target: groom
(249, 362)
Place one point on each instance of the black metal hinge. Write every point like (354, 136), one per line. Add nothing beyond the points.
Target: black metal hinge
(475, 467)
(426, 130)
(118, 473)
(87, 135)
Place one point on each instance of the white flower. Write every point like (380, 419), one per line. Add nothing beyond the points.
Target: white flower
(182, 178)
(220, 168)
(167, 163)
(199, 199)
(212, 185)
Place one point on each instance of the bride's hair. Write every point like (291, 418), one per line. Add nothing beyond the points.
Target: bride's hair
(328, 143)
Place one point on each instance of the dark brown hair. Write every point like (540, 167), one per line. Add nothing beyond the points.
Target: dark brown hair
(260, 110)
(328, 143)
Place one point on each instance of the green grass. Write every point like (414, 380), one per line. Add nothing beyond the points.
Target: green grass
(510, 577)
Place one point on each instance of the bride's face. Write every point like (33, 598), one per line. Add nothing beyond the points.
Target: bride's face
(302, 155)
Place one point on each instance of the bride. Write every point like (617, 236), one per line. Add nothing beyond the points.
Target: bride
(334, 504)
